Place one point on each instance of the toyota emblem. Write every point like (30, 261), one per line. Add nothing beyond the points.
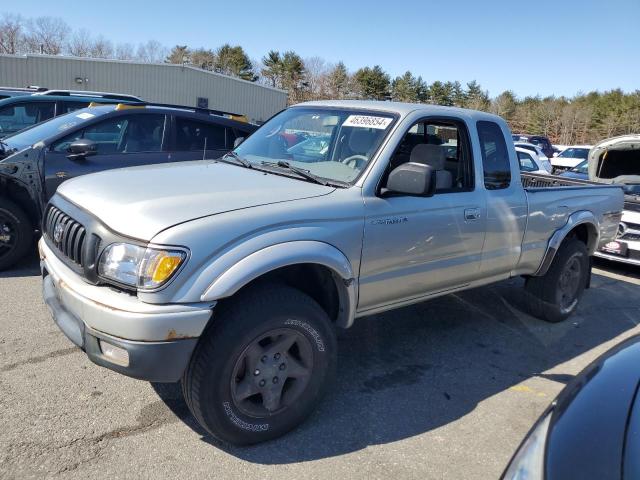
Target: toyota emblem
(57, 232)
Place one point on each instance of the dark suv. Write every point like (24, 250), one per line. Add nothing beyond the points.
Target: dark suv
(22, 108)
(540, 140)
(35, 161)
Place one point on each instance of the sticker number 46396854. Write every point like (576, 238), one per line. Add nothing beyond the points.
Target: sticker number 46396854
(367, 121)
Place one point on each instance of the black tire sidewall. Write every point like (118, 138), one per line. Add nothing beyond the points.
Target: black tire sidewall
(23, 230)
(570, 249)
(217, 410)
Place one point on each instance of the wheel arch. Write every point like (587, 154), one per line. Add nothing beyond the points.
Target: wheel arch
(582, 225)
(20, 194)
(316, 268)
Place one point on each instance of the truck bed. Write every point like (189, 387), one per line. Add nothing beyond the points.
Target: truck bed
(551, 200)
(532, 181)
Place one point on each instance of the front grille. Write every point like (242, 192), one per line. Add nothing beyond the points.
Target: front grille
(65, 233)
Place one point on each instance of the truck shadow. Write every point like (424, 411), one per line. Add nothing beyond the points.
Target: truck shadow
(409, 371)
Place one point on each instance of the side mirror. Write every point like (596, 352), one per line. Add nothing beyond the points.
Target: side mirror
(555, 154)
(238, 141)
(414, 179)
(82, 148)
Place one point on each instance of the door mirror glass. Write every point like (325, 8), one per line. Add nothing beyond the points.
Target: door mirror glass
(82, 148)
(414, 179)
(238, 141)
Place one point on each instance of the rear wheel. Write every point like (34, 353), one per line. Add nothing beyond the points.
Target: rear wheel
(555, 295)
(262, 366)
(16, 233)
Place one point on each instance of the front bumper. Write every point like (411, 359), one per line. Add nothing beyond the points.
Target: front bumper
(159, 339)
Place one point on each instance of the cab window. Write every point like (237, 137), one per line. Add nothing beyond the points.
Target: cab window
(495, 156)
(121, 134)
(443, 145)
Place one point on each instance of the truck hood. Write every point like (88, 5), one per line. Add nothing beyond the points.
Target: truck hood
(142, 201)
(616, 160)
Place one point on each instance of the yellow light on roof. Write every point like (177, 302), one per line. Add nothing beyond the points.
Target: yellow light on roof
(125, 106)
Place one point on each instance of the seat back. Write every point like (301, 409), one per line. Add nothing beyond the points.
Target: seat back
(434, 156)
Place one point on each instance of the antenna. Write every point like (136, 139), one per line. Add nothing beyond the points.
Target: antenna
(204, 150)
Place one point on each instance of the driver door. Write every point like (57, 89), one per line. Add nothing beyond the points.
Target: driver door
(416, 246)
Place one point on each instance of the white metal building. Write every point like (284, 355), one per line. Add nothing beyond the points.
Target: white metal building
(157, 82)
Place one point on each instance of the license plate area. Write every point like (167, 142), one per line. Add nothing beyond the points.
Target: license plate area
(616, 248)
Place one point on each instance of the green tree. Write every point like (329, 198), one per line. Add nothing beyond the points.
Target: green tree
(338, 81)
(272, 68)
(475, 97)
(440, 93)
(179, 54)
(372, 83)
(405, 88)
(235, 62)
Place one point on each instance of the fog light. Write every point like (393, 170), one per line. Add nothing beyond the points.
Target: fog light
(115, 354)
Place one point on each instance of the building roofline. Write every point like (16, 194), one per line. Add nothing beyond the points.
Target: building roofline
(134, 62)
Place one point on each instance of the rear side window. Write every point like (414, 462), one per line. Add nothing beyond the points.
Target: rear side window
(526, 162)
(66, 107)
(495, 157)
(193, 135)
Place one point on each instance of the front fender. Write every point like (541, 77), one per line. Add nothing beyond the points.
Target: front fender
(284, 254)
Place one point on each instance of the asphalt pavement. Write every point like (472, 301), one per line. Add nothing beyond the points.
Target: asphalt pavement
(443, 389)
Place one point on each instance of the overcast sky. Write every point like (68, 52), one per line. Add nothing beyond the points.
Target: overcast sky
(558, 47)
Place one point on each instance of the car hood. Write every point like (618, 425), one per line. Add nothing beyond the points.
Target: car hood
(140, 202)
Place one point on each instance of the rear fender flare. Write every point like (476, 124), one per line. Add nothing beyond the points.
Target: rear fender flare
(583, 217)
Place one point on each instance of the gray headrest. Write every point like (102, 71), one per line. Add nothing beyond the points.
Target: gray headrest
(360, 141)
(432, 155)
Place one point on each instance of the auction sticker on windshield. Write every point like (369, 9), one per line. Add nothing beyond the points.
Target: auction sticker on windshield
(85, 115)
(367, 121)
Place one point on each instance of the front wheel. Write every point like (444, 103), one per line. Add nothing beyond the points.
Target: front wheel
(555, 295)
(16, 233)
(262, 366)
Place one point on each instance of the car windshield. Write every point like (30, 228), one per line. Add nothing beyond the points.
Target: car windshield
(333, 144)
(582, 167)
(575, 153)
(48, 129)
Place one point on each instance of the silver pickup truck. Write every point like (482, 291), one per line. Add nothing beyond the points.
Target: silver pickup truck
(231, 275)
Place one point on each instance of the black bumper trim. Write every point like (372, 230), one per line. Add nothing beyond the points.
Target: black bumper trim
(150, 361)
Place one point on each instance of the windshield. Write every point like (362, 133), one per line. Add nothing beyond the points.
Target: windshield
(575, 153)
(582, 167)
(52, 127)
(333, 144)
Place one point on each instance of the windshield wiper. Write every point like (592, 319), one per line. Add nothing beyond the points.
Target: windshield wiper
(300, 171)
(239, 160)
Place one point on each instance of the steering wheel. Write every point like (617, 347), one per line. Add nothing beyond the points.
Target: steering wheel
(356, 161)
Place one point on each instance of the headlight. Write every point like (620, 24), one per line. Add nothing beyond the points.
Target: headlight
(144, 268)
(528, 462)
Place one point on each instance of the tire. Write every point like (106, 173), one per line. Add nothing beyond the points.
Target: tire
(555, 295)
(225, 383)
(16, 233)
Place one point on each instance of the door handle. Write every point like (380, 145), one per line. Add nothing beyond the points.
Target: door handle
(471, 214)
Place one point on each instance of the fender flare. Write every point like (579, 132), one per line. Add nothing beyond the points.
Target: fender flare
(291, 253)
(582, 217)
